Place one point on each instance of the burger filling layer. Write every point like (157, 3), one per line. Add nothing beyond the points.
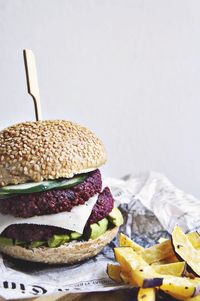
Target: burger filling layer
(102, 217)
(52, 201)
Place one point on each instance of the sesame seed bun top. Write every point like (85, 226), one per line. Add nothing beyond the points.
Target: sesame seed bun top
(50, 149)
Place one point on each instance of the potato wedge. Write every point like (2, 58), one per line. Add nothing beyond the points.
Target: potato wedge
(194, 238)
(174, 269)
(185, 249)
(180, 287)
(145, 276)
(153, 254)
(113, 272)
(133, 264)
(126, 278)
(171, 259)
(196, 298)
(162, 252)
(158, 252)
(162, 239)
(146, 294)
(125, 241)
(165, 251)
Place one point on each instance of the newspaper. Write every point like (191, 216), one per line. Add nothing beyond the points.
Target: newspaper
(150, 204)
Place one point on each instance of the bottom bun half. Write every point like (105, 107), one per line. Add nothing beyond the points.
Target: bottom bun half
(68, 253)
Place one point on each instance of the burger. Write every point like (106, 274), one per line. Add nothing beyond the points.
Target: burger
(53, 206)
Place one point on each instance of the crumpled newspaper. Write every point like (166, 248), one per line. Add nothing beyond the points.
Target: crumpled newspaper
(150, 205)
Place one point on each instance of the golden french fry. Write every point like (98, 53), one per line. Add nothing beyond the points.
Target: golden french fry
(159, 266)
(113, 272)
(185, 249)
(194, 238)
(146, 294)
(171, 259)
(126, 278)
(151, 255)
(162, 239)
(158, 252)
(174, 269)
(133, 264)
(180, 287)
(125, 241)
(145, 276)
(196, 298)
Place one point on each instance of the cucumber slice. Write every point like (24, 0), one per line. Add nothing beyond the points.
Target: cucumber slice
(7, 191)
(71, 182)
(4, 195)
(25, 188)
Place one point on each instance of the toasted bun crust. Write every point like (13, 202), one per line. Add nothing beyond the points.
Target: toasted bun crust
(51, 149)
(68, 253)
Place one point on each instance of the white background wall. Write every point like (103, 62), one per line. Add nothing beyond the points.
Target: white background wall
(128, 69)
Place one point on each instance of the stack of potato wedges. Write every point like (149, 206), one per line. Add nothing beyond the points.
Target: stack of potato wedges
(172, 266)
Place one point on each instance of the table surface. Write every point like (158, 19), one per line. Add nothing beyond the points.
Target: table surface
(121, 295)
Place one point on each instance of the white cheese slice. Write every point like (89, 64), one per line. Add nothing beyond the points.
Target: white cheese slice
(74, 220)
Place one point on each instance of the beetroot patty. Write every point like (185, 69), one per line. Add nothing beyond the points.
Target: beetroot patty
(52, 201)
(30, 232)
(103, 206)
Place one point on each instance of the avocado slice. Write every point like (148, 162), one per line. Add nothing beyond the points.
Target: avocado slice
(6, 241)
(103, 224)
(75, 235)
(115, 217)
(98, 228)
(57, 240)
(19, 242)
(37, 244)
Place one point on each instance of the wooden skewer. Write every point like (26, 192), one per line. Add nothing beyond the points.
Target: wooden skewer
(32, 81)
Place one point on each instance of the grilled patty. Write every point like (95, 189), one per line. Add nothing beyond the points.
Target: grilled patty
(52, 201)
(31, 232)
